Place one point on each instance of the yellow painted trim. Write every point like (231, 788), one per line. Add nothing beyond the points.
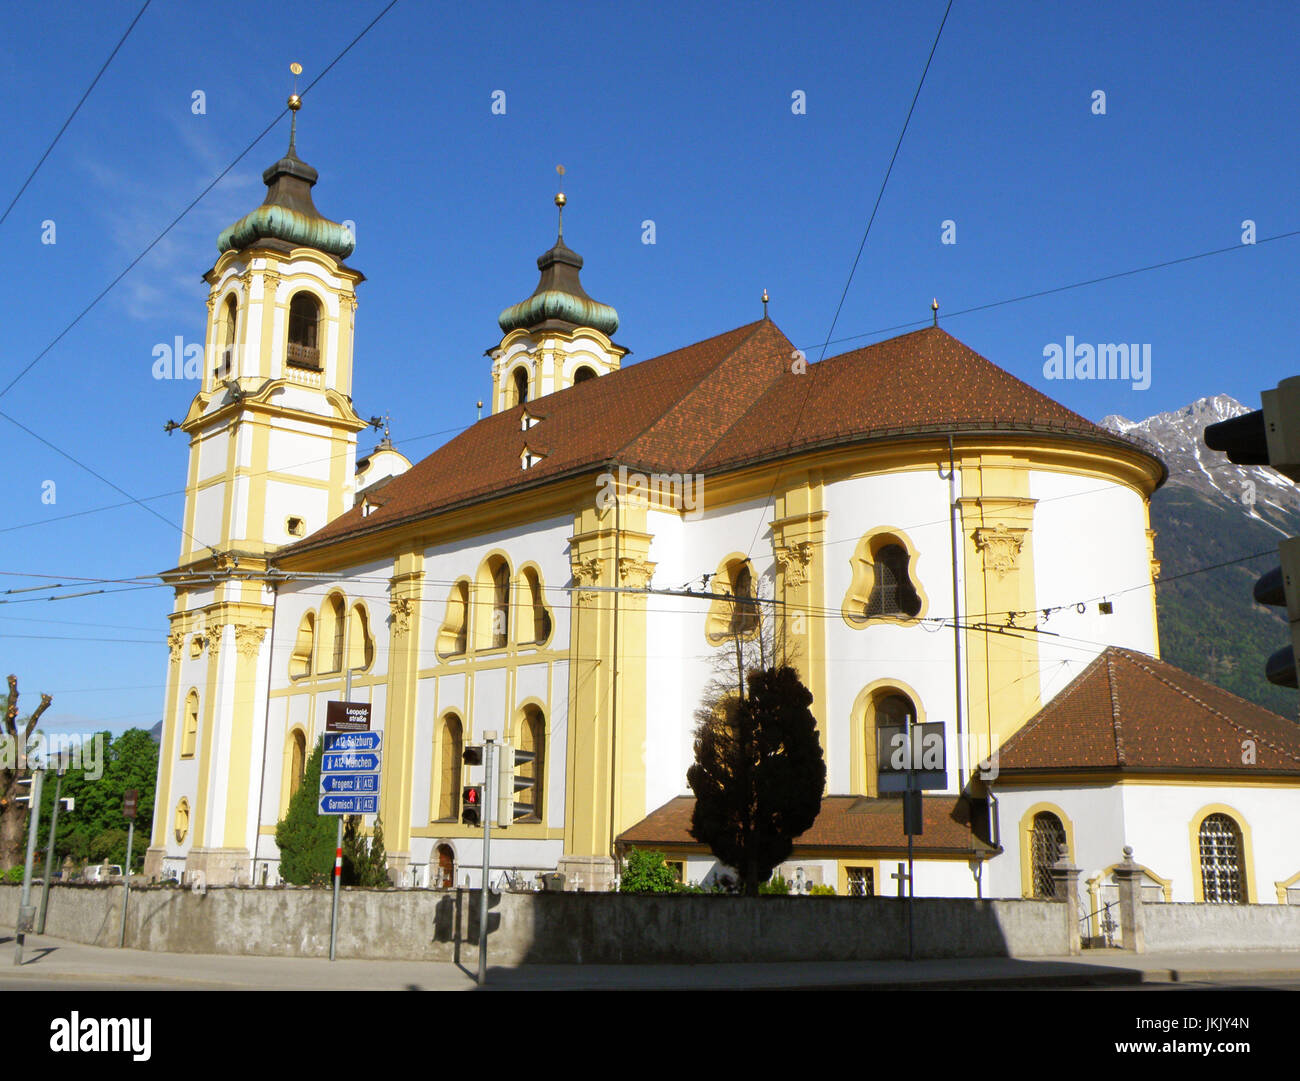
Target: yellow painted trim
(286, 765)
(1026, 847)
(1248, 853)
(862, 581)
(842, 876)
(1282, 887)
(864, 763)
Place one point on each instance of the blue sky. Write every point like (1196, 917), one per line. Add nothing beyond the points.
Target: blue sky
(680, 114)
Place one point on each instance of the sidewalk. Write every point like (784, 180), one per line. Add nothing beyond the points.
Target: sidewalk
(52, 962)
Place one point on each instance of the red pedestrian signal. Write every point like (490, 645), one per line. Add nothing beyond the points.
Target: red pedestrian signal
(471, 800)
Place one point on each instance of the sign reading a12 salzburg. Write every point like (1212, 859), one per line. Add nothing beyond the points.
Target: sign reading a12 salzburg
(349, 775)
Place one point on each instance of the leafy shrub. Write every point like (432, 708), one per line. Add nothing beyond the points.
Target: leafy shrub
(775, 884)
(647, 872)
(14, 874)
(818, 890)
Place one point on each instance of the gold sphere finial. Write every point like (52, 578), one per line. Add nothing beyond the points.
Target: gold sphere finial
(295, 102)
(560, 200)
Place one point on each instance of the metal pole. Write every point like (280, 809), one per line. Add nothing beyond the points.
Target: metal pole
(49, 854)
(338, 840)
(25, 910)
(126, 881)
(911, 951)
(488, 758)
(338, 868)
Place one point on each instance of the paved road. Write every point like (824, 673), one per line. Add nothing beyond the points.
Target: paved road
(51, 963)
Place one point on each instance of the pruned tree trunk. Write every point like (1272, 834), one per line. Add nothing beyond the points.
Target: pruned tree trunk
(13, 815)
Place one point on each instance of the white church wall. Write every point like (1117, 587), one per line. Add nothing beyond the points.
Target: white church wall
(294, 447)
(683, 550)
(916, 505)
(1158, 821)
(1093, 817)
(1089, 542)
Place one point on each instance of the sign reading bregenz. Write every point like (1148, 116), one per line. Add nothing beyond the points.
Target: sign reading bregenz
(349, 773)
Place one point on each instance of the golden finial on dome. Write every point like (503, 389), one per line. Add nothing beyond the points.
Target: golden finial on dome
(560, 200)
(934, 307)
(295, 103)
(765, 299)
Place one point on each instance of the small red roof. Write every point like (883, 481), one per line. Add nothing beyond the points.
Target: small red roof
(858, 824)
(1129, 712)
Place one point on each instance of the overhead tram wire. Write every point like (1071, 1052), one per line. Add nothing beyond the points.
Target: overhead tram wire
(134, 262)
(76, 109)
(880, 195)
(192, 204)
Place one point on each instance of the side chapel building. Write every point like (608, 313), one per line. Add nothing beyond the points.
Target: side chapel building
(948, 546)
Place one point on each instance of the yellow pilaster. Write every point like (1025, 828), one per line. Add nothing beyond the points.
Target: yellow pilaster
(406, 593)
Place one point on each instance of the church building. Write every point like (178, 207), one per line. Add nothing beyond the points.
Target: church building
(943, 549)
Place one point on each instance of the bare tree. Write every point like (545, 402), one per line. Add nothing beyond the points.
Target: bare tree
(13, 815)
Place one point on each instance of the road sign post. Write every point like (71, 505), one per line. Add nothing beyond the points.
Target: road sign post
(349, 777)
(49, 849)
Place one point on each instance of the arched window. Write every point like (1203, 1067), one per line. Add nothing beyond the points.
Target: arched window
(500, 603)
(297, 760)
(303, 647)
(451, 746)
(333, 628)
(532, 737)
(731, 618)
(1046, 846)
(442, 875)
(453, 635)
(304, 331)
(182, 821)
(519, 384)
(361, 644)
(884, 585)
(226, 336)
(891, 715)
(1223, 874)
(190, 725)
(583, 374)
(540, 624)
(892, 592)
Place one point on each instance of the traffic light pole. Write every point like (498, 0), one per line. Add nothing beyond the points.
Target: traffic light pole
(338, 839)
(49, 852)
(25, 911)
(489, 744)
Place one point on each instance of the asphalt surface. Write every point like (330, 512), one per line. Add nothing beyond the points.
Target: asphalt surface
(54, 964)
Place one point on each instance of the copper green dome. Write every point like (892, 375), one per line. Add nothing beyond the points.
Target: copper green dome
(559, 302)
(287, 216)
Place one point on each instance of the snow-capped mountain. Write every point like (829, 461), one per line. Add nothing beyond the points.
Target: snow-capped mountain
(1209, 517)
(1178, 436)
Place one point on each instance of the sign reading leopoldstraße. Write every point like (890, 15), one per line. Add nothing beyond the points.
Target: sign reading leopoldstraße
(347, 716)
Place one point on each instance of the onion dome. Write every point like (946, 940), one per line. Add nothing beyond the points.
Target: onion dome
(288, 217)
(559, 302)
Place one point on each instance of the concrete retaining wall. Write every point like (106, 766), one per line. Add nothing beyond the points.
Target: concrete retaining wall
(555, 928)
(1184, 927)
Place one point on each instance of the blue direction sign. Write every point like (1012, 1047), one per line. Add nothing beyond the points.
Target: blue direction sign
(349, 805)
(353, 741)
(349, 782)
(350, 762)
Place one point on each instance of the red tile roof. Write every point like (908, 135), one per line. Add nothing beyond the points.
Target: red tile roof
(1129, 712)
(854, 824)
(715, 406)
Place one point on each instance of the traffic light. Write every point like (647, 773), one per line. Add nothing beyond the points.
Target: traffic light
(509, 808)
(471, 805)
(472, 755)
(1271, 436)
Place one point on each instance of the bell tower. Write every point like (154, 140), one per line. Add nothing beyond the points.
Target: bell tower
(272, 457)
(556, 337)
